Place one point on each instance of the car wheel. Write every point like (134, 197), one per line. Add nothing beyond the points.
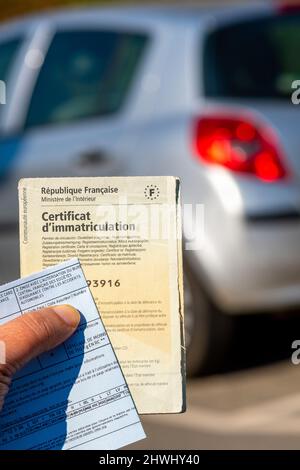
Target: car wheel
(208, 331)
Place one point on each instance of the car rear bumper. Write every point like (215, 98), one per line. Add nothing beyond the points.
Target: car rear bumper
(252, 269)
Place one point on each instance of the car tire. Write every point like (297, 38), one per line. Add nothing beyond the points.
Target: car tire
(208, 331)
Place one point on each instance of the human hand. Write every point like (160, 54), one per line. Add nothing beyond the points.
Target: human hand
(32, 334)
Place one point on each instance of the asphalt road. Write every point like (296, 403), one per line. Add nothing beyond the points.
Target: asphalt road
(252, 409)
(253, 403)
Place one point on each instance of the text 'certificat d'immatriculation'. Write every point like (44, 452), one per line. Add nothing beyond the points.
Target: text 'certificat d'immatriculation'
(75, 396)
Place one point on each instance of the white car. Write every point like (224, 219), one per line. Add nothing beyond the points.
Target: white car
(204, 94)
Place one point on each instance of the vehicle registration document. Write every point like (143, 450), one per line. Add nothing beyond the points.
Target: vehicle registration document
(74, 397)
(126, 231)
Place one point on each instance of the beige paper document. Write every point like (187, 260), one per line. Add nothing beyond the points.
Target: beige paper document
(126, 231)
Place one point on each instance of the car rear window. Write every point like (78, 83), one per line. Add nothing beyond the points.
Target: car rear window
(253, 59)
(85, 74)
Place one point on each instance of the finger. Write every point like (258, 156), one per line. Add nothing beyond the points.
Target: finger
(36, 332)
(32, 334)
(5, 381)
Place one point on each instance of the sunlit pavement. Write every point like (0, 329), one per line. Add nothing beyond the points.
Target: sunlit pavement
(255, 404)
(253, 409)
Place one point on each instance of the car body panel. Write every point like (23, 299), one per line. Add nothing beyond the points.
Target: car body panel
(248, 256)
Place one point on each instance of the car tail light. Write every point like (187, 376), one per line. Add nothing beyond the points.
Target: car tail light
(288, 8)
(239, 144)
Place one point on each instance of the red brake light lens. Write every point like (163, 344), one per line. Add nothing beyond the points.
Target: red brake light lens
(288, 8)
(239, 145)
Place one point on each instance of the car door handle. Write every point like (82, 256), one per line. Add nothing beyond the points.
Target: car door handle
(93, 158)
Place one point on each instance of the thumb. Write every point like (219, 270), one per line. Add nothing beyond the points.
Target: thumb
(32, 334)
(36, 332)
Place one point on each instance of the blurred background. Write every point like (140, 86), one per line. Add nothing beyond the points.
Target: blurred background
(207, 92)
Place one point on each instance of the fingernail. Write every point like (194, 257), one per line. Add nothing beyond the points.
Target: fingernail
(68, 314)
